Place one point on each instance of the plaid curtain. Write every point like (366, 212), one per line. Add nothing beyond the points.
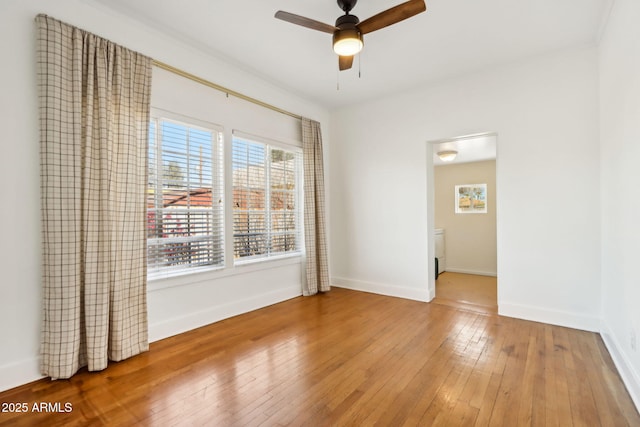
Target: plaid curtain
(94, 117)
(317, 266)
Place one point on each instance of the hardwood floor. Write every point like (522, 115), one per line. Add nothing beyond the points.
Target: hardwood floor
(349, 358)
(467, 291)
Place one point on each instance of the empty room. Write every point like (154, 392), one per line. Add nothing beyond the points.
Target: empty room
(235, 212)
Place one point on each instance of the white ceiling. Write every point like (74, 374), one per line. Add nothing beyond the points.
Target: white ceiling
(470, 148)
(452, 37)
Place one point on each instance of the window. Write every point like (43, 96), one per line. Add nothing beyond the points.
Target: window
(266, 188)
(185, 224)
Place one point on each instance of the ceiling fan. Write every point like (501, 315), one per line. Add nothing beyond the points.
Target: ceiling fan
(348, 31)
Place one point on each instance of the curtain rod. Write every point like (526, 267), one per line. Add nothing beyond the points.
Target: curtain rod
(202, 81)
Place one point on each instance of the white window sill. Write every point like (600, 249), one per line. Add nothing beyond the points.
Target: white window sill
(243, 262)
(161, 281)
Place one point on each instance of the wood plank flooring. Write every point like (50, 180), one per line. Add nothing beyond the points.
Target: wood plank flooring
(349, 358)
(467, 291)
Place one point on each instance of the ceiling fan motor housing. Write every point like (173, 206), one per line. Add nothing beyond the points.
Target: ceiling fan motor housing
(347, 22)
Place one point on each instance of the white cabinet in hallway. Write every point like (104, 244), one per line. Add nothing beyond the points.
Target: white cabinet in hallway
(438, 237)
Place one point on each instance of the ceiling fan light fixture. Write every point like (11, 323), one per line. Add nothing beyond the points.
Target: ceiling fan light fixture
(447, 155)
(347, 42)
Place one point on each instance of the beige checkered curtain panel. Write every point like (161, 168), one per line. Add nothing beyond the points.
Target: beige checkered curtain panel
(94, 118)
(317, 266)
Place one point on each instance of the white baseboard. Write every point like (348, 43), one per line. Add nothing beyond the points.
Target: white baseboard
(552, 317)
(466, 271)
(382, 289)
(629, 375)
(19, 373)
(178, 325)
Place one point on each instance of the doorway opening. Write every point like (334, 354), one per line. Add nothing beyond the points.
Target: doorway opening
(461, 219)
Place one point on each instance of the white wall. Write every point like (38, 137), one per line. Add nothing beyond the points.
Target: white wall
(171, 308)
(545, 113)
(620, 157)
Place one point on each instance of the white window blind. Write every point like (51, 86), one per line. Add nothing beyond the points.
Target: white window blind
(185, 197)
(266, 201)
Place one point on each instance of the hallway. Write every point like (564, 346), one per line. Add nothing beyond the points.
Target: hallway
(467, 291)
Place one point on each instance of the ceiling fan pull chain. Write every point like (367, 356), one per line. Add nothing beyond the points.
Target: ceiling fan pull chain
(338, 80)
(359, 66)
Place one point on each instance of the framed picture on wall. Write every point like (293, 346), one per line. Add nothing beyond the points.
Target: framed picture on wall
(471, 198)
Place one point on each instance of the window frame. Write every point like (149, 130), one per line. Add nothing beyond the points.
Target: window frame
(217, 210)
(270, 145)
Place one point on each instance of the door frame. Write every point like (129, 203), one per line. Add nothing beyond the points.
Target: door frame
(431, 250)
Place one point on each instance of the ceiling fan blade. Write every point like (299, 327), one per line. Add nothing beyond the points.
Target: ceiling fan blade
(391, 16)
(305, 22)
(345, 62)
